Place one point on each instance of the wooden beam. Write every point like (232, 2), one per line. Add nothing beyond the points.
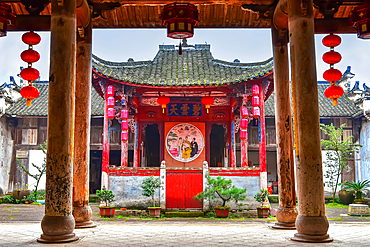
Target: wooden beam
(336, 25)
(27, 22)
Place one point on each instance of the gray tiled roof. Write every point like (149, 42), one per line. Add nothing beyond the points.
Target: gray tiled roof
(345, 107)
(195, 67)
(40, 105)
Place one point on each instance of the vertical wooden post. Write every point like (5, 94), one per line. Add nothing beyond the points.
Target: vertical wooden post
(311, 223)
(232, 144)
(81, 209)
(136, 144)
(162, 189)
(287, 211)
(124, 145)
(106, 146)
(244, 150)
(262, 141)
(58, 223)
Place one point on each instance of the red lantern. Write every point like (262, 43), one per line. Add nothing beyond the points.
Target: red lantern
(255, 101)
(29, 93)
(331, 40)
(111, 113)
(111, 102)
(255, 90)
(331, 57)
(124, 114)
(334, 92)
(124, 125)
(244, 123)
(6, 17)
(124, 136)
(31, 38)
(163, 101)
(244, 112)
(30, 74)
(332, 75)
(243, 134)
(30, 56)
(180, 19)
(208, 101)
(256, 112)
(110, 91)
(360, 18)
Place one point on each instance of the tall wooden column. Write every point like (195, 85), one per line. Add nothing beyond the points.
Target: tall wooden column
(136, 144)
(311, 223)
(124, 144)
(287, 211)
(81, 160)
(106, 147)
(232, 143)
(262, 141)
(58, 223)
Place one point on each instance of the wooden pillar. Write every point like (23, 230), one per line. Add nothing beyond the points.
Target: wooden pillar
(311, 223)
(58, 223)
(124, 144)
(244, 147)
(232, 143)
(287, 212)
(81, 162)
(262, 140)
(136, 144)
(106, 147)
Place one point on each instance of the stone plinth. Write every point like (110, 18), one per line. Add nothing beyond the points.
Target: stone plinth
(358, 209)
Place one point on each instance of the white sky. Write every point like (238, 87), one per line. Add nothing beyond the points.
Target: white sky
(247, 45)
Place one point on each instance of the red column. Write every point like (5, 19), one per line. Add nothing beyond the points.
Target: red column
(105, 164)
(137, 141)
(124, 144)
(232, 144)
(262, 144)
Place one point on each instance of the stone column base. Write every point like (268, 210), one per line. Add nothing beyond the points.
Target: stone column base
(57, 229)
(312, 229)
(311, 239)
(85, 224)
(82, 216)
(284, 226)
(286, 218)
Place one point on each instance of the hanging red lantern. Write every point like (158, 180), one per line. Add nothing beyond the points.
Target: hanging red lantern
(180, 19)
(30, 56)
(331, 57)
(244, 123)
(30, 74)
(31, 38)
(255, 90)
(124, 114)
(244, 112)
(6, 17)
(332, 75)
(243, 134)
(331, 40)
(111, 113)
(207, 101)
(124, 136)
(163, 101)
(256, 112)
(111, 102)
(124, 125)
(110, 91)
(334, 92)
(29, 93)
(255, 101)
(360, 18)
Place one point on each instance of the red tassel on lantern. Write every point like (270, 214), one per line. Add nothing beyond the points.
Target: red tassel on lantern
(334, 92)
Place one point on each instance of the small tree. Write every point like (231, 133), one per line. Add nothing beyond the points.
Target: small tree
(105, 196)
(149, 186)
(262, 196)
(41, 169)
(340, 152)
(221, 188)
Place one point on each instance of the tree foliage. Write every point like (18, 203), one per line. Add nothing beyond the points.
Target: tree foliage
(105, 196)
(223, 189)
(149, 186)
(41, 170)
(341, 150)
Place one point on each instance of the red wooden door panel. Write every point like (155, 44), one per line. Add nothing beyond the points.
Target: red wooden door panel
(181, 187)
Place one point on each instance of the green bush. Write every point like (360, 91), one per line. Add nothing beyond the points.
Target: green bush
(149, 186)
(10, 199)
(105, 196)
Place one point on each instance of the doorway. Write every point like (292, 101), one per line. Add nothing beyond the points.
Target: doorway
(217, 143)
(152, 145)
(96, 160)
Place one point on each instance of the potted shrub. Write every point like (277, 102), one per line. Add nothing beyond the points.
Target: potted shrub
(264, 210)
(149, 186)
(358, 188)
(221, 188)
(106, 196)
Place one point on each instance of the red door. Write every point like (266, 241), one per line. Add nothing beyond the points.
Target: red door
(181, 187)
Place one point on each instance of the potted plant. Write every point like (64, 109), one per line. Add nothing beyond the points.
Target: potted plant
(149, 186)
(358, 188)
(221, 188)
(264, 210)
(345, 197)
(106, 196)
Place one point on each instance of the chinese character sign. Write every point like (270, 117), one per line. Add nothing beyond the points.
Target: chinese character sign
(184, 109)
(184, 142)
